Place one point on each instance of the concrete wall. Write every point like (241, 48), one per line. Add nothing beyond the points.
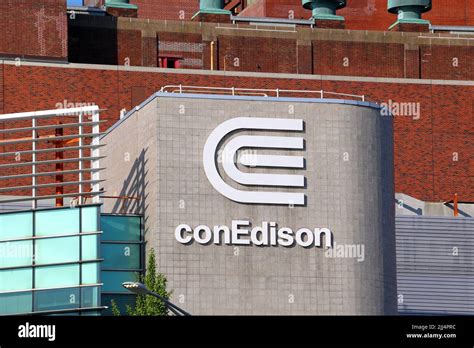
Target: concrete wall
(156, 153)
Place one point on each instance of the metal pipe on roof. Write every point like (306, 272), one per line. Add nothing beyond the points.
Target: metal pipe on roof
(324, 9)
(410, 10)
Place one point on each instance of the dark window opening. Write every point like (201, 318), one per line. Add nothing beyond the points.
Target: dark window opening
(170, 62)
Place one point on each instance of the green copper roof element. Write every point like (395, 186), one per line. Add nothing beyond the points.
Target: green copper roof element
(324, 9)
(212, 7)
(409, 11)
(120, 4)
(211, 4)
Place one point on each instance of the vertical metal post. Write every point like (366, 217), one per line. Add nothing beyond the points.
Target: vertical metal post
(59, 166)
(455, 201)
(80, 158)
(212, 54)
(33, 160)
(96, 153)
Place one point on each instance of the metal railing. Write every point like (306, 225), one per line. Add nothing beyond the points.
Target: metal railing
(260, 92)
(277, 22)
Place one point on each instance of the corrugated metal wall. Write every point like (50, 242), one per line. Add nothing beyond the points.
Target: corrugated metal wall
(435, 265)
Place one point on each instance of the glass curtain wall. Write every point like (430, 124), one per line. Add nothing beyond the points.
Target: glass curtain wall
(50, 261)
(122, 249)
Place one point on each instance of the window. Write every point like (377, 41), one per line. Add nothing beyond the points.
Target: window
(122, 302)
(57, 250)
(90, 247)
(16, 303)
(170, 62)
(90, 273)
(57, 222)
(120, 228)
(16, 254)
(113, 280)
(18, 225)
(90, 297)
(91, 314)
(121, 256)
(16, 279)
(52, 276)
(56, 299)
(57, 257)
(90, 219)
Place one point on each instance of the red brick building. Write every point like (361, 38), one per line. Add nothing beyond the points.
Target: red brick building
(433, 71)
(33, 29)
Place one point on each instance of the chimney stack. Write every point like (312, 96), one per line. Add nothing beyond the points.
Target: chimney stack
(324, 12)
(409, 15)
(212, 11)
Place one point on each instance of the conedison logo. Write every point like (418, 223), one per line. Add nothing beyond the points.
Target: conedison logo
(268, 234)
(269, 161)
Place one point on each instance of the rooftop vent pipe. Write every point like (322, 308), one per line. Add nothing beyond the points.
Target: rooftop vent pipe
(409, 11)
(212, 11)
(212, 6)
(324, 9)
(119, 4)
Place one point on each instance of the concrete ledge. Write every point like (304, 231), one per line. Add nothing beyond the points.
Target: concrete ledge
(243, 74)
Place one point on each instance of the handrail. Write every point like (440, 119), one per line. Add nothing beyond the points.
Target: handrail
(265, 92)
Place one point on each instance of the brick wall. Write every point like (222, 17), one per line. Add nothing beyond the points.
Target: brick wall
(187, 47)
(447, 62)
(260, 54)
(1, 90)
(433, 154)
(166, 9)
(31, 28)
(358, 58)
(129, 44)
(96, 39)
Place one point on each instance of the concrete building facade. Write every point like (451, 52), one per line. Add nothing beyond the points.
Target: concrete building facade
(156, 152)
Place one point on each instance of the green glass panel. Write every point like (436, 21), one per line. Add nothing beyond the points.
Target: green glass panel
(90, 247)
(16, 303)
(17, 225)
(16, 279)
(58, 299)
(113, 280)
(56, 222)
(90, 219)
(90, 273)
(121, 300)
(121, 256)
(90, 297)
(69, 314)
(52, 276)
(120, 228)
(57, 250)
(14, 254)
